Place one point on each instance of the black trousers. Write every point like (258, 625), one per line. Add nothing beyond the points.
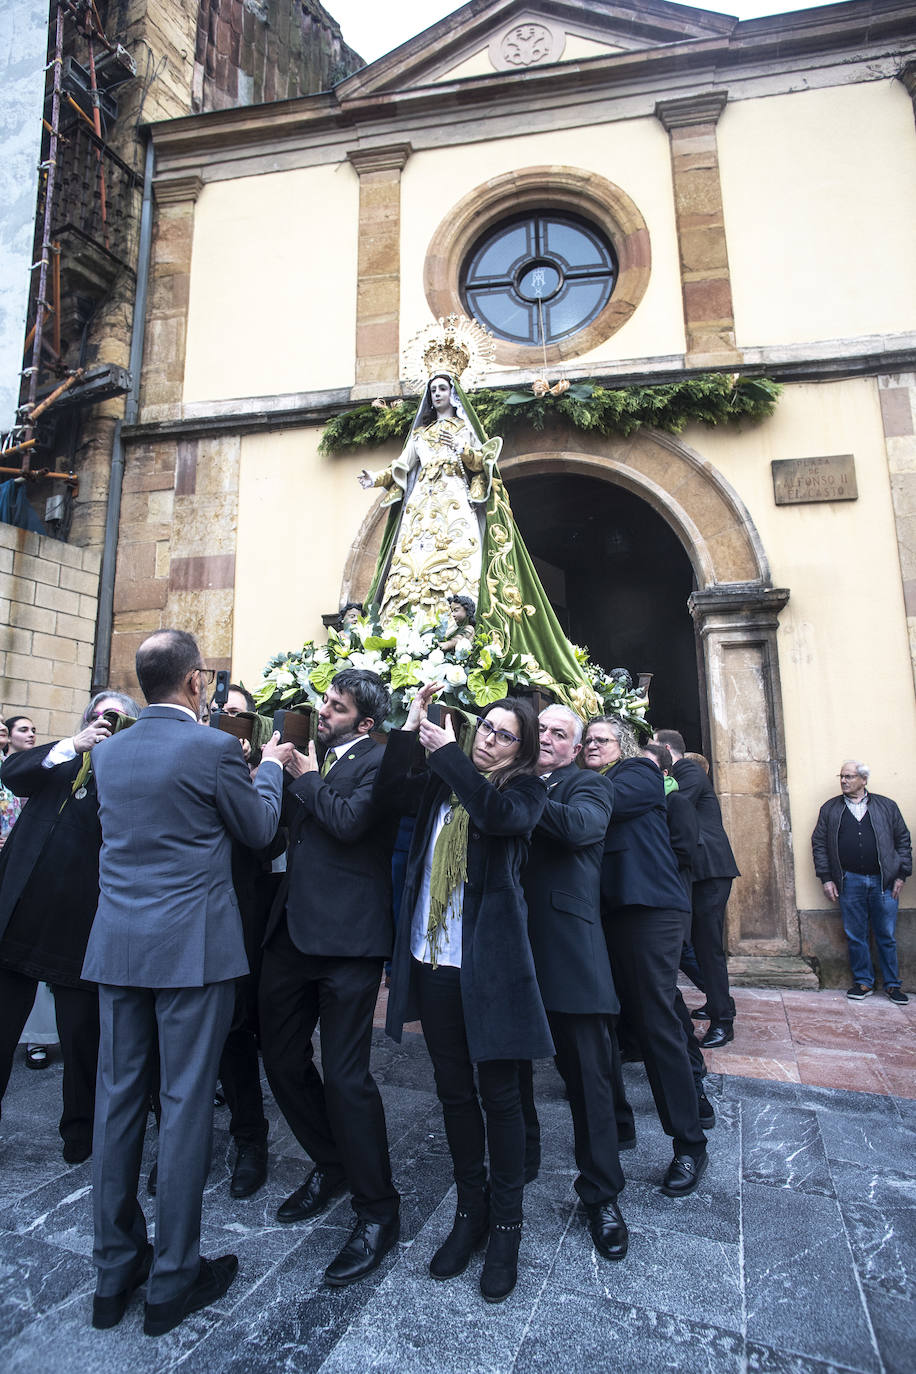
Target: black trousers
(644, 944)
(707, 935)
(339, 1121)
(77, 1014)
(442, 1018)
(694, 1053)
(240, 1067)
(585, 1061)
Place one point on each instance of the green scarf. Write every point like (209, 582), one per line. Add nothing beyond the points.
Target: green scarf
(670, 785)
(82, 778)
(449, 871)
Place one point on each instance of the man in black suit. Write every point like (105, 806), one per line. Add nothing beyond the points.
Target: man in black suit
(562, 882)
(713, 872)
(327, 938)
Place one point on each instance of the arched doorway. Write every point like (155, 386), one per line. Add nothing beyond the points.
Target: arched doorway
(619, 580)
(735, 611)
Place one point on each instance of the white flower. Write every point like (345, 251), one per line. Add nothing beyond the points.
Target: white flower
(368, 660)
(320, 656)
(284, 678)
(436, 656)
(454, 675)
(462, 649)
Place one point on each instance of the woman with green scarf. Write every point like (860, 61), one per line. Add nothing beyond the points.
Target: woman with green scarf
(462, 963)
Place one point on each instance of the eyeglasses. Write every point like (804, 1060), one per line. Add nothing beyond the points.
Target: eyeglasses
(601, 740)
(503, 736)
(209, 674)
(847, 777)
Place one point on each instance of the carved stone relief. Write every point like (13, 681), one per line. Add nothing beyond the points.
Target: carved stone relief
(531, 44)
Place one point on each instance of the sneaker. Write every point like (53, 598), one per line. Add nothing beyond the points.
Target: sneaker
(897, 996)
(858, 992)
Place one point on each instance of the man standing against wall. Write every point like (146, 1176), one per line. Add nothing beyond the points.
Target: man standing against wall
(713, 873)
(166, 947)
(862, 855)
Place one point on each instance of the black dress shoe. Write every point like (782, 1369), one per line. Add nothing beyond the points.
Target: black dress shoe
(108, 1311)
(250, 1172)
(312, 1198)
(500, 1268)
(213, 1279)
(707, 1113)
(683, 1174)
(468, 1233)
(368, 1245)
(152, 1183)
(719, 1033)
(609, 1230)
(700, 1013)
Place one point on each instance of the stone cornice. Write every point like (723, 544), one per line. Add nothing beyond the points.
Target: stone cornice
(390, 159)
(703, 108)
(746, 606)
(260, 414)
(173, 190)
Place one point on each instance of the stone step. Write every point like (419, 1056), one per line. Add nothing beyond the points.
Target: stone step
(771, 971)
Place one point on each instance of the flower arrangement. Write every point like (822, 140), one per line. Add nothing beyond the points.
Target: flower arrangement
(408, 654)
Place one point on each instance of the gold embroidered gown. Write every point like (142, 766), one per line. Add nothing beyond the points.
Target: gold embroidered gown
(437, 550)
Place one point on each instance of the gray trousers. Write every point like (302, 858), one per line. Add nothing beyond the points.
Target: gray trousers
(190, 1026)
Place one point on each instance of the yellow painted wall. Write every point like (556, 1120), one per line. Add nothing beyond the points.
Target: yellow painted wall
(578, 46)
(843, 652)
(633, 154)
(478, 64)
(819, 190)
(273, 285)
(299, 513)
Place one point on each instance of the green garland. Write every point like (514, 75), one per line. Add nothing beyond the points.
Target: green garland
(710, 399)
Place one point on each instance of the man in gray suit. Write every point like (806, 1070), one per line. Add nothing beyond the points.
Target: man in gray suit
(165, 949)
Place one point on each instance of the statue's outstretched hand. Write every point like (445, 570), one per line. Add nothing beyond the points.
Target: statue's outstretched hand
(365, 479)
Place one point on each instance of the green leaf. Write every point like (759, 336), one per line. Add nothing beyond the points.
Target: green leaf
(486, 687)
(405, 675)
(377, 642)
(321, 675)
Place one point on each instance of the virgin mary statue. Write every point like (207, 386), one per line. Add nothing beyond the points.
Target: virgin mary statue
(450, 529)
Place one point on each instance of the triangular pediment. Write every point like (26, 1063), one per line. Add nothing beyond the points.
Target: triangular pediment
(506, 36)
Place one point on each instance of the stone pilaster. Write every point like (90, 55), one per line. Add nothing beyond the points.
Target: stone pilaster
(737, 624)
(897, 395)
(705, 282)
(169, 291)
(378, 298)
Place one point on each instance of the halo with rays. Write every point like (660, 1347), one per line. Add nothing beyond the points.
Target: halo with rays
(452, 344)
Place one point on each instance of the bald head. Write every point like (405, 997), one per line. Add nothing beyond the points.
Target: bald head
(163, 663)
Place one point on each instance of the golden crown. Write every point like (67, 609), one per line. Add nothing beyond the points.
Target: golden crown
(454, 344)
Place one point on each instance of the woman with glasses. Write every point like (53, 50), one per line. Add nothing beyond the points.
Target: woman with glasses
(462, 963)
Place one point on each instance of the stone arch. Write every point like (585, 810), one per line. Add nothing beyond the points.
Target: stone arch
(735, 610)
(706, 513)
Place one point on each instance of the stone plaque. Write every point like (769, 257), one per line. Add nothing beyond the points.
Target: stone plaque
(797, 480)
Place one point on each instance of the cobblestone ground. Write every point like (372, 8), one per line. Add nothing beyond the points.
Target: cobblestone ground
(797, 1254)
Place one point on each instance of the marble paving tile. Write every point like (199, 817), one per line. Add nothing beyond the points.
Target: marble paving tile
(37, 1278)
(842, 1102)
(880, 1214)
(763, 1359)
(783, 1148)
(747, 1089)
(892, 1322)
(872, 1141)
(713, 1211)
(727, 1060)
(596, 1337)
(901, 1081)
(665, 1270)
(802, 1292)
(824, 1067)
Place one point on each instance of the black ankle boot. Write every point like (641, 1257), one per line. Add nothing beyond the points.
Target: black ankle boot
(500, 1268)
(469, 1231)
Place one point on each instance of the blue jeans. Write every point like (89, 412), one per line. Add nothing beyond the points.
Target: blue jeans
(862, 899)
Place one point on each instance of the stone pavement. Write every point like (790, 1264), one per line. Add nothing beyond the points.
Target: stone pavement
(797, 1255)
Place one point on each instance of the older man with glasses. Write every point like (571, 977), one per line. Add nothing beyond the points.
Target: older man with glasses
(862, 855)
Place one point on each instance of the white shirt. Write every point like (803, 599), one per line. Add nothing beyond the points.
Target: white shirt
(448, 945)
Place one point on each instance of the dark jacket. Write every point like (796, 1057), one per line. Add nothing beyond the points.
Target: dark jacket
(172, 797)
(49, 869)
(714, 854)
(684, 830)
(639, 867)
(337, 887)
(562, 882)
(895, 856)
(503, 1013)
